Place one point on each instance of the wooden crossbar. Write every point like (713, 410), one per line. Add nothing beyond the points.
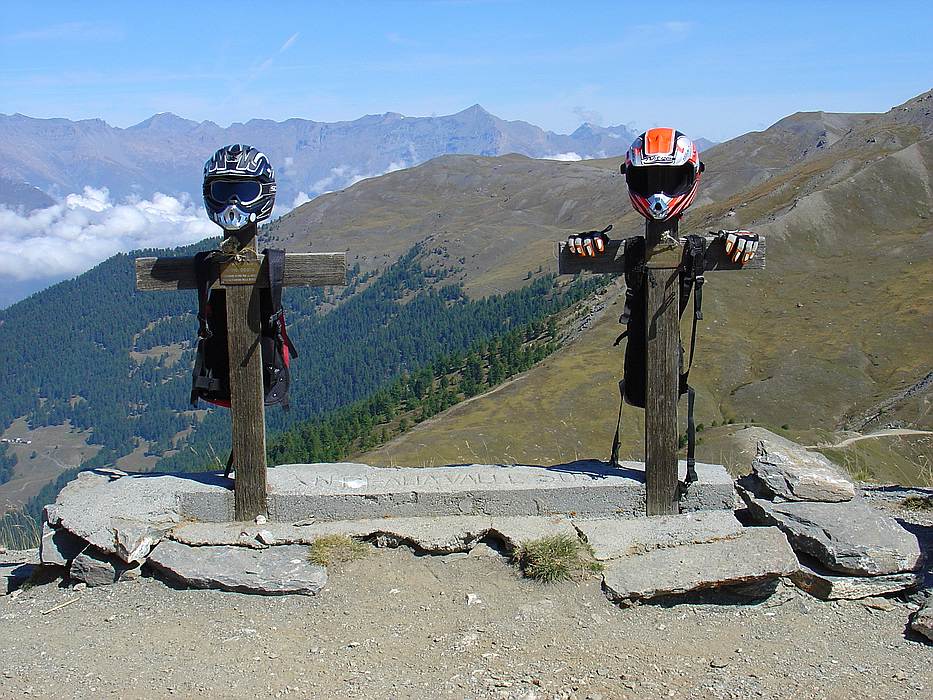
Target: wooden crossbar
(301, 270)
(613, 262)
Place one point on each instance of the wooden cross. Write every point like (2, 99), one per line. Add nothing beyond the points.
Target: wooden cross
(662, 391)
(242, 280)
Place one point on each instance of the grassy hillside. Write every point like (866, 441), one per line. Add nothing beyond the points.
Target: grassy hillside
(838, 322)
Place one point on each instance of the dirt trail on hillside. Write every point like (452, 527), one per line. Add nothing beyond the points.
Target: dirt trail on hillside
(890, 432)
(397, 625)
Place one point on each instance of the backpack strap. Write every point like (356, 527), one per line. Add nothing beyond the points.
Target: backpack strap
(691, 439)
(616, 440)
(203, 276)
(633, 252)
(275, 259)
(692, 268)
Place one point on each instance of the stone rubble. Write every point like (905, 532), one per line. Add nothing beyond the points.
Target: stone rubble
(611, 538)
(12, 576)
(846, 537)
(442, 535)
(107, 526)
(58, 547)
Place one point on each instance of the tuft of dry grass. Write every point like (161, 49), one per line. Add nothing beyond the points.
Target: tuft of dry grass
(556, 558)
(331, 550)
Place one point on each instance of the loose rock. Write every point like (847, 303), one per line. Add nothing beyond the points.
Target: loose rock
(58, 547)
(830, 586)
(441, 535)
(124, 515)
(99, 569)
(922, 621)
(791, 472)
(849, 537)
(271, 571)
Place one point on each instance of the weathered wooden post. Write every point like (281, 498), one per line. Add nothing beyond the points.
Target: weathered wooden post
(664, 253)
(242, 278)
(662, 359)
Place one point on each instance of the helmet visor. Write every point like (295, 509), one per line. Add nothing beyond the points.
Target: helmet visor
(245, 191)
(668, 180)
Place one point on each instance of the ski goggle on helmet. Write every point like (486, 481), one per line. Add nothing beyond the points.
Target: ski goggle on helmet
(239, 187)
(662, 170)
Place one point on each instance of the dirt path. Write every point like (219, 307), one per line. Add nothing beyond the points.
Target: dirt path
(397, 625)
(889, 432)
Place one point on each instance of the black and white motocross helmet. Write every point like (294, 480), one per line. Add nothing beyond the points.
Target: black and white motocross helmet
(239, 187)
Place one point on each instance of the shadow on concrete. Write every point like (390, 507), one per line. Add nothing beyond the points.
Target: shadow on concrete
(591, 467)
(597, 469)
(206, 478)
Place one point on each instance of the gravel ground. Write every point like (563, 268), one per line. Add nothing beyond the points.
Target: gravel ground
(398, 625)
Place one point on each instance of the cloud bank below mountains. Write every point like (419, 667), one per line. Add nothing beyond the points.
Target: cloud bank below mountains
(68, 238)
(340, 178)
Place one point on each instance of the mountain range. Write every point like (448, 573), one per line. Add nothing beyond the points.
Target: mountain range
(837, 323)
(43, 158)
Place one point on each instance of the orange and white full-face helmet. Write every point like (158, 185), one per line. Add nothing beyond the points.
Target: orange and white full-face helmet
(662, 170)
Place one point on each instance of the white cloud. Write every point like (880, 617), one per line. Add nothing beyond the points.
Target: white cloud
(300, 198)
(569, 156)
(590, 116)
(288, 43)
(67, 239)
(340, 178)
(393, 166)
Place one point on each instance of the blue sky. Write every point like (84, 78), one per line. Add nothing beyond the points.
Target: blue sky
(714, 69)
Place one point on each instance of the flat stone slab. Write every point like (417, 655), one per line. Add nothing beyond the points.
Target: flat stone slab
(125, 514)
(828, 585)
(440, 535)
(347, 491)
(272, 571)
(612, 538)
(791, 472)
(758, 554)
(849, 537)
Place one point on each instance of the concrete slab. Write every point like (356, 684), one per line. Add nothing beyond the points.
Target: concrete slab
(347, 491)
(758, 554)
(612, 538)
(437, 535)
